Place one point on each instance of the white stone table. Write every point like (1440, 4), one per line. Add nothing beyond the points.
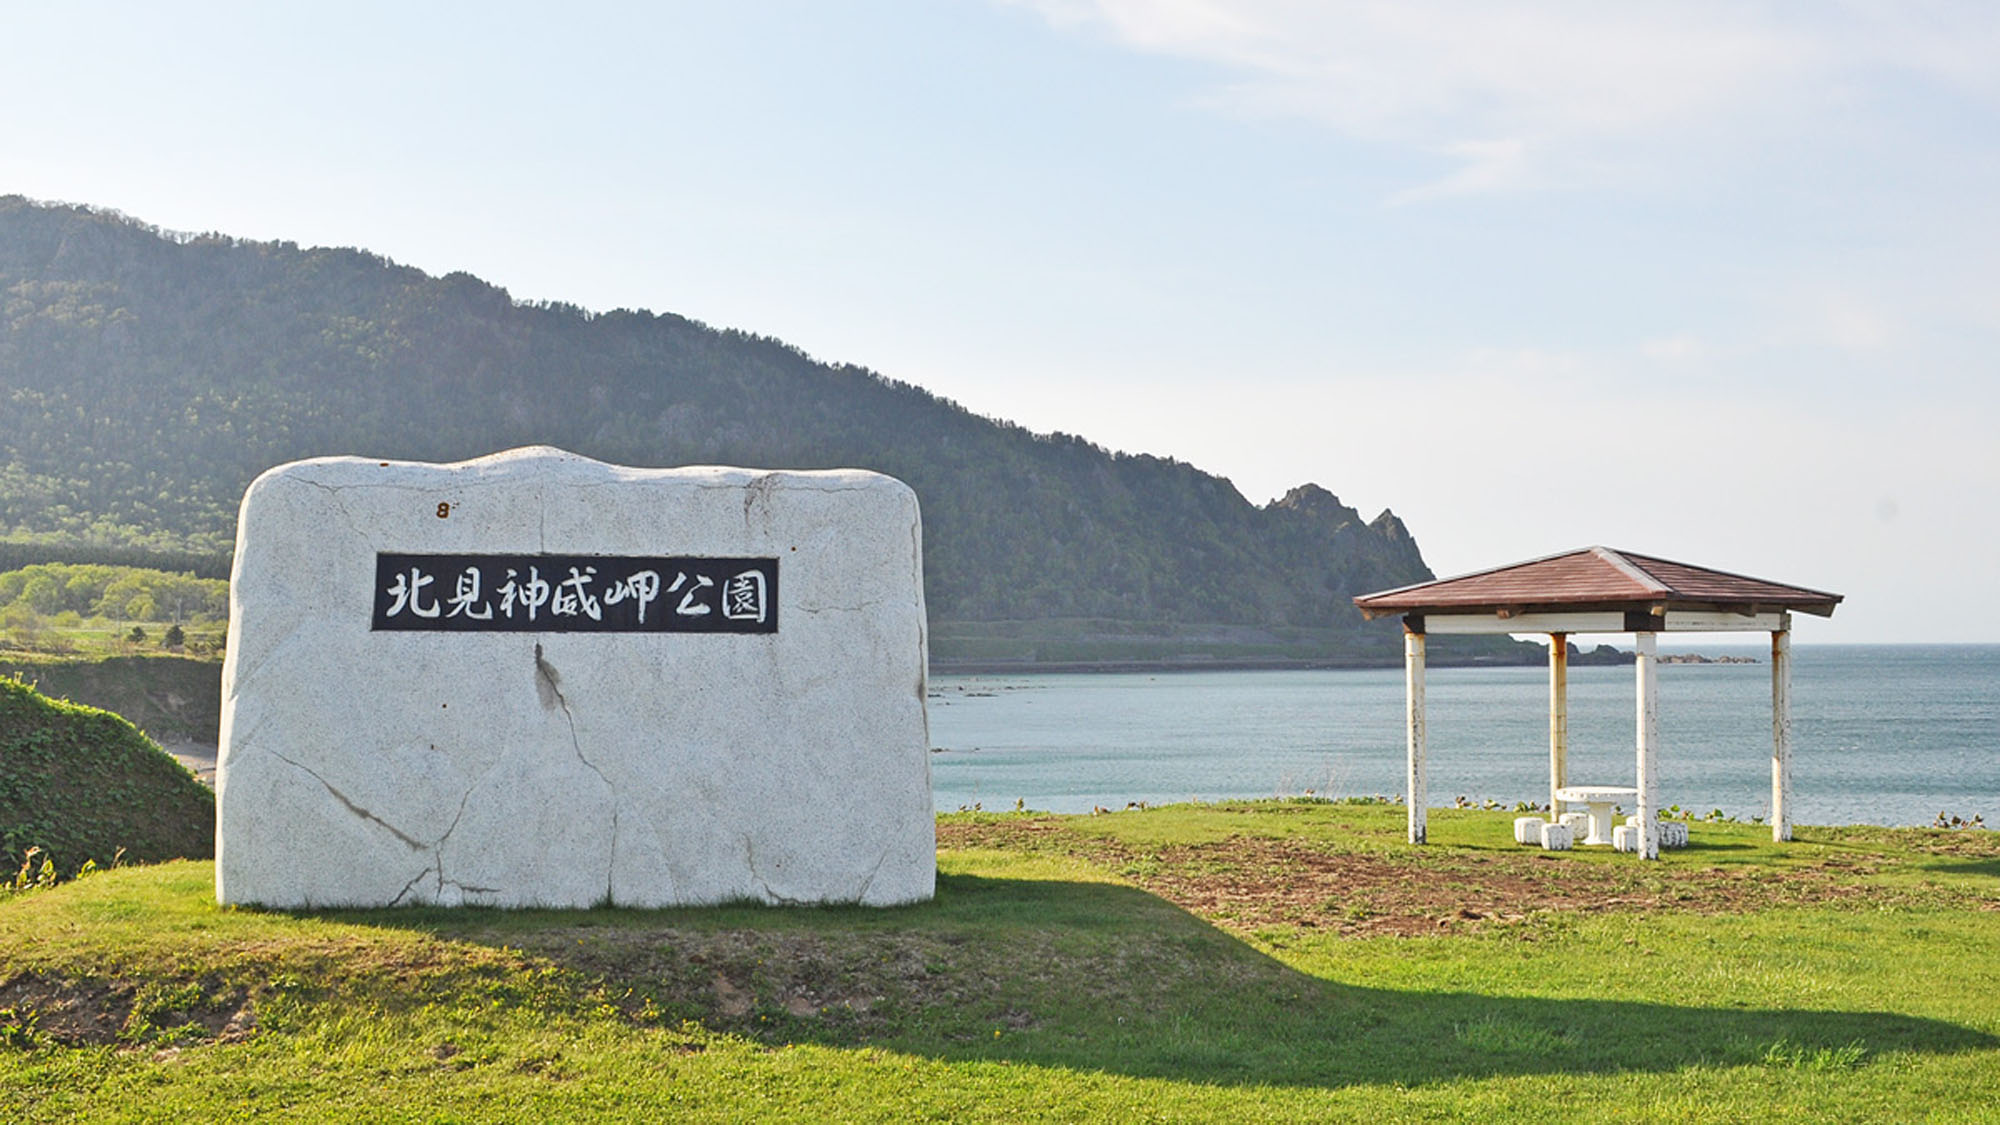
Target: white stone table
(1600, 799)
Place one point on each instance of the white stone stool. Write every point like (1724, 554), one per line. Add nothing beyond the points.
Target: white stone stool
(1528, 829)
(1673, 833)
(1625, 838)
(1578, 823)
(1555, 837)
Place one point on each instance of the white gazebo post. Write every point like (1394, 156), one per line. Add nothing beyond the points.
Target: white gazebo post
(1558, 719)
(1413, 697)
(1647, 664)
(1781, 733)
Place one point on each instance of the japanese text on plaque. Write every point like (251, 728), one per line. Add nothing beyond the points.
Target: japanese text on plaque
(575, 593)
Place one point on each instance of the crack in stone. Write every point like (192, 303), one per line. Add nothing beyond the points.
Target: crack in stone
(436, 867)
(759, 491)
(413, 844)
(244, 673)
(409, 886)
(370, 485)
(777, 899)
(882, 860)
(437, 849)
(610, 868)
(798, 483)
(455, 818)
(549, 685)
(346, 517)
(239, 743)
(861, 607)
(770, 896)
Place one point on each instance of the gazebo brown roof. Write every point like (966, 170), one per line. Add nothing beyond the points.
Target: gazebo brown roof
(1598, 579)
(1601, 590)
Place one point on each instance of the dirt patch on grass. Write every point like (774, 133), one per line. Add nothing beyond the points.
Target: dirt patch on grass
(89, 1012)
(1248, 881)
(1258, 882)
(851, 987)
(759, 980)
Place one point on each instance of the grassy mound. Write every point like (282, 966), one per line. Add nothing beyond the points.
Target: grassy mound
(81, 783)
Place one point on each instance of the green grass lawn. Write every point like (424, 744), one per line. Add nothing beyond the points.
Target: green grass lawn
(1262, 961)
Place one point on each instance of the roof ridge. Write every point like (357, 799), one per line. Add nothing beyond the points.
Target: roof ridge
(1632, 570)
(1736, 574)
(1478, 573)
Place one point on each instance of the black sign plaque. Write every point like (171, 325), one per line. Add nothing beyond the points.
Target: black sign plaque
(574, 594)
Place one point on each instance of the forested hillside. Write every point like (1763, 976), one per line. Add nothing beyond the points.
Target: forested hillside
(146, 377)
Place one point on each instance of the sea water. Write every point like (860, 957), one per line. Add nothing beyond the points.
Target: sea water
(1882, 734)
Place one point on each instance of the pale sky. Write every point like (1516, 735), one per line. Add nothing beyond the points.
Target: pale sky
(1709, 280)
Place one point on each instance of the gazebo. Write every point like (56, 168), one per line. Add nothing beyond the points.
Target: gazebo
(1600, 590)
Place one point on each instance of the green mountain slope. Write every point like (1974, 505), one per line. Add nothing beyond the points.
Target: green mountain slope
(146, 377)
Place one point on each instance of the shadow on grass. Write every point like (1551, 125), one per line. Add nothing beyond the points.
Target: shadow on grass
(1989, 868)
(1104, 977)
(1697, 845)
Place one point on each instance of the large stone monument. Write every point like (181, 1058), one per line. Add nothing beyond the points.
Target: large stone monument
(535, 679)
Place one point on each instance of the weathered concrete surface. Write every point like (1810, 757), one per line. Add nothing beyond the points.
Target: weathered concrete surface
(363, 767)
